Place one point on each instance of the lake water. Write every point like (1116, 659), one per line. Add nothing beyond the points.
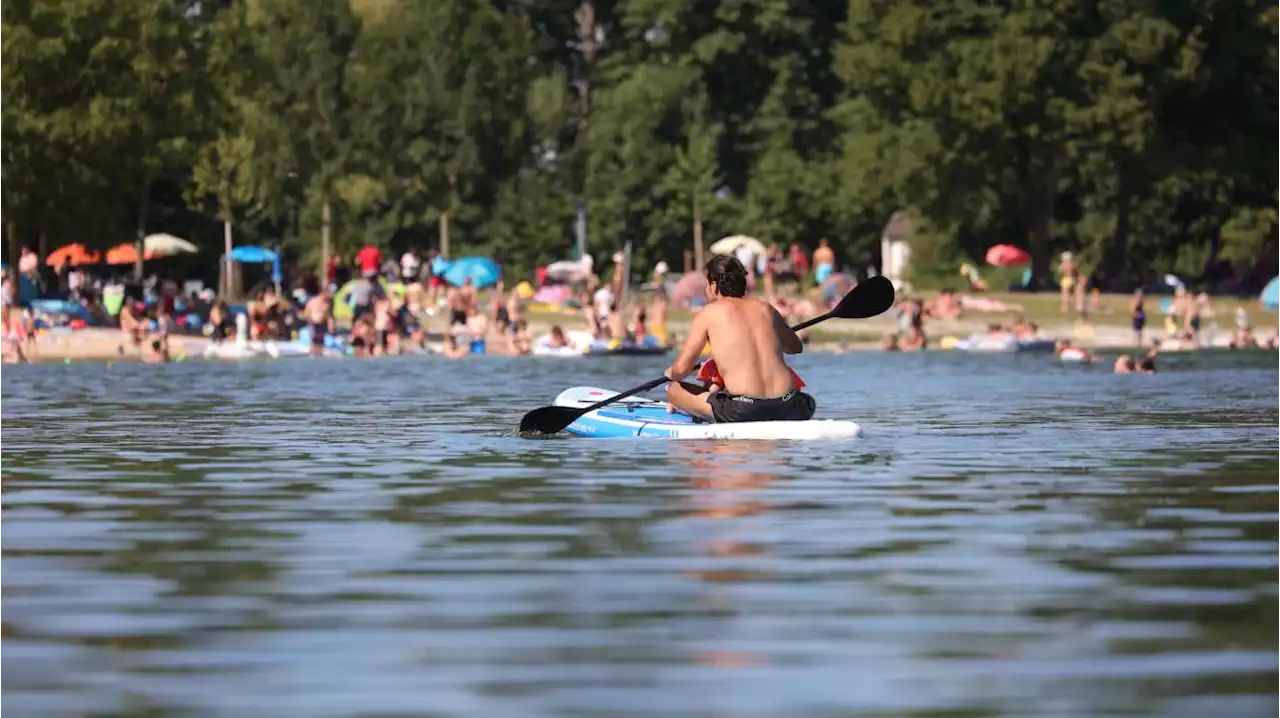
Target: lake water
(338, 538)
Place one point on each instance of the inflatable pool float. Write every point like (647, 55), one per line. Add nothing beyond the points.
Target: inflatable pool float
(255, 349)
(579, 343)
(1002, 344)
(649, 347)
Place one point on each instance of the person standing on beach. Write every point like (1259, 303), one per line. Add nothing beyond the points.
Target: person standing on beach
(382, 322)
(1137, 316)
(6, 290)
(657, 314)
(824, 262)
(1069, 275)
(369, 258)
(319, 314)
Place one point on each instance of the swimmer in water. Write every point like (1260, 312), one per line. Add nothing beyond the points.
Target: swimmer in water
(1065, 350)
(1124, 364)
(557, 340)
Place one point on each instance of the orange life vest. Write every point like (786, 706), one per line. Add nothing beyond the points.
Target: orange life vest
(710, 374)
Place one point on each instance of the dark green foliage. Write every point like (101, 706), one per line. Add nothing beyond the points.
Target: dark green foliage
(1140, 135)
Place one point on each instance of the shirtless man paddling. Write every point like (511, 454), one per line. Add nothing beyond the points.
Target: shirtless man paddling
(750, 339)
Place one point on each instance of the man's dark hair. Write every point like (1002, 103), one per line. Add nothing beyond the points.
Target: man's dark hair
(728, 274)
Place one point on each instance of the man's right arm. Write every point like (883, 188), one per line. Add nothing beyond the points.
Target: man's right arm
(789, 340)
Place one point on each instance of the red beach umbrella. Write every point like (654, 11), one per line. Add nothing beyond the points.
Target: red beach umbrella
(1007, 255)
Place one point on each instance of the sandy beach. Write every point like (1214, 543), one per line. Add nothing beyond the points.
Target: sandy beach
(1106, 329)
(97, 344)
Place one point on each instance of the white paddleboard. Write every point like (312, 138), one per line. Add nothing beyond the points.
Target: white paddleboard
(639, 417)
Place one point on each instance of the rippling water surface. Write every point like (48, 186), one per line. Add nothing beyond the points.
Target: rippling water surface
(335, 538)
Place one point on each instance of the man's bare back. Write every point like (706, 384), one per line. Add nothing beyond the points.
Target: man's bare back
(749, 339)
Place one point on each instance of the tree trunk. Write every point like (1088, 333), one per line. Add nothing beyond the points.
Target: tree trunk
(141, 245)
(227, 265)
(325, 219)
(1114, 267)
(15, 246)
(444, 216)
(585, 16)
(1040, 215)
(444, 234)
(42, 251)
(697, 235)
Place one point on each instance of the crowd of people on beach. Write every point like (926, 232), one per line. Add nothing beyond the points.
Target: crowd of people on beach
(375, 305)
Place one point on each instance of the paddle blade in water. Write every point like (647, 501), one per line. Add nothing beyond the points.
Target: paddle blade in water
(548, 420)
(870, 298)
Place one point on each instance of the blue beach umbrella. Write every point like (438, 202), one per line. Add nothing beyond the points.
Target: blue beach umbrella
(1271, 295)
(439, 265)
(480, 270)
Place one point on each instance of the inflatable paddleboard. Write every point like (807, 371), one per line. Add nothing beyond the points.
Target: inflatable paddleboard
(639, 417)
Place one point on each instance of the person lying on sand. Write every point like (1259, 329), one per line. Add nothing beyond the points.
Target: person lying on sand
(750, 338)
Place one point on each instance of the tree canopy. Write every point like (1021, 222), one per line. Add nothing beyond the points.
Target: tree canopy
(1140, 135)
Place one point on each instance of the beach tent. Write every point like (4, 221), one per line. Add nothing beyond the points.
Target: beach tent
(1270, 296)
(342, 308)
(249, 254)
(257, 255)
(480, 270)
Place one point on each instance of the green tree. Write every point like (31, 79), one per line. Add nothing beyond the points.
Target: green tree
(303, 102)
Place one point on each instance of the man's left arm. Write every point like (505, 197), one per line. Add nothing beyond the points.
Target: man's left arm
(687, 359)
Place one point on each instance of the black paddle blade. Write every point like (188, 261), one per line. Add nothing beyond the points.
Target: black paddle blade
(548, 420)
(870, 298)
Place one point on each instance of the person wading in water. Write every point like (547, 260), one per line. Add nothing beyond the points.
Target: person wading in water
(750, 338)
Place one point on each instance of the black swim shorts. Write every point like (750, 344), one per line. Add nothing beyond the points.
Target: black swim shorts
(792, 406)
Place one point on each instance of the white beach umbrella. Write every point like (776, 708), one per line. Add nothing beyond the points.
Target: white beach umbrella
(164, 245)
(730, 245)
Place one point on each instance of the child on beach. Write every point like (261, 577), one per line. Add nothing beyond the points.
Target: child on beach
(382, 322)
(15, 335)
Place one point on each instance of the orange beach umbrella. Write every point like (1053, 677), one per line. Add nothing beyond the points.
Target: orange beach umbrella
(73, 254)
(124, 254)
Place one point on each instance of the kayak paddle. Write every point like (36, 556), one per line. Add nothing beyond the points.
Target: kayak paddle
(867, 299)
